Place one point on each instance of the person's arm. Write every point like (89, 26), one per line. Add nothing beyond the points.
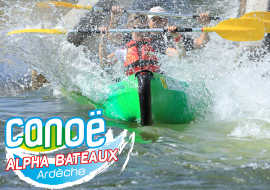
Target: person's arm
(104, 59)
(115, 15)
(172, 52)
(180, 49)
(204, 38)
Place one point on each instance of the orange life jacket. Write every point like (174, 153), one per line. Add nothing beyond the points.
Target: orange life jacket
(140, 56)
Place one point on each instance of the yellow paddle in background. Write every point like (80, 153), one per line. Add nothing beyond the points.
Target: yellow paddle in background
(69, 5)
(232, 29)
(264, 16)
(63, 4)
(49, 31)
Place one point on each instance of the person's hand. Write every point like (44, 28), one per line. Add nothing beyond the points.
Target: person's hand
(204, 18)
(116, 12)
(103, 31)
(172, 31)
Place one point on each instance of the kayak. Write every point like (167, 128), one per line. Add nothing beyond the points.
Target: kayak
(148, 98)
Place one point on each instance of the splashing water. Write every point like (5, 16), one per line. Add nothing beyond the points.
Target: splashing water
(256, 129)
(237, 92)
(69, 67)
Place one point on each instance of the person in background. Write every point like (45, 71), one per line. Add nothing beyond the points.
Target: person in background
(162, 42)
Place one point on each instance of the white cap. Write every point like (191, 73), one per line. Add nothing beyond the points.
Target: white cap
(157, 10)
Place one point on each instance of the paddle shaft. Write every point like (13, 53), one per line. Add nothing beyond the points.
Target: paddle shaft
(138, 30)
(232, 29)
(64, 31)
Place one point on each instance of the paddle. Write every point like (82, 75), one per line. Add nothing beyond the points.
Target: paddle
(69, 5)
(63, 4)
(232, 29)
(49, 31)
(263, 16)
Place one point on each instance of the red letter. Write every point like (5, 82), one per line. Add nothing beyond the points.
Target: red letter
(76, 155)
(10, 164)
(59, 159)
(44, 161)
(113, 155)
(93, 157)
(69, 159)
(26, 162)
(35, 162)
(83, 157)
(17, 167)
(100, 159)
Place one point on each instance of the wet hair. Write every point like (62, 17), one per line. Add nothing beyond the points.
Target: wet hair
(136, 18)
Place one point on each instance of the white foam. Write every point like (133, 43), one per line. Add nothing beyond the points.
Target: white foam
(255, 129)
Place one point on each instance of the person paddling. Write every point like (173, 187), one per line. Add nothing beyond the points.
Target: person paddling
(162, 42)
(138, 53)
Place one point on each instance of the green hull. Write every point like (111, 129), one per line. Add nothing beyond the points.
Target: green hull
(167, 100)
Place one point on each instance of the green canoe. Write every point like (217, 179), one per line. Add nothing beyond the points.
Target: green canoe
(148, 98)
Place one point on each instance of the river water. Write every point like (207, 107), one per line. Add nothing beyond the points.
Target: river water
(227, 148)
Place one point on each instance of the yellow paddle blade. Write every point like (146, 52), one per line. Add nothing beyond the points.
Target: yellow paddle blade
(263, 16)
(239, 29)
(63, 4)
(42, 5)
(50, 31)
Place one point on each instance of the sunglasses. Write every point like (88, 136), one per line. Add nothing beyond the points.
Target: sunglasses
(158, 19)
